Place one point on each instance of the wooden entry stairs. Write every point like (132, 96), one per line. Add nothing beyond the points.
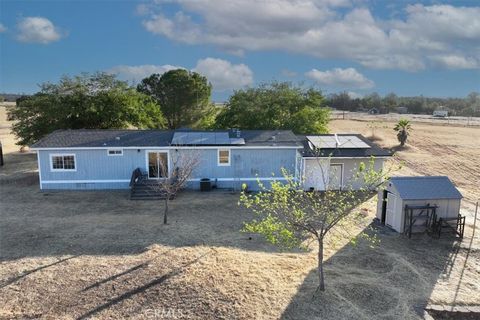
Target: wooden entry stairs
(142, 188)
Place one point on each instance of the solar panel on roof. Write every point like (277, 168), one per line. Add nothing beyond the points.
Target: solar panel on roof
(201, 138)
(337, 142)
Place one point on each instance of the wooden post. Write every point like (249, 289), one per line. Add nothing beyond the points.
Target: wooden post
(475, 220)
(1, 154)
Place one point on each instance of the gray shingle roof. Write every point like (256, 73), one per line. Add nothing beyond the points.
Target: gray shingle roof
(94, 138)
(425, 188)
(84, 138)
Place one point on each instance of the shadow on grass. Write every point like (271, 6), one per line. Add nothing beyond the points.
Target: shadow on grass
(393, 280)
(138, 290)
(11, 280)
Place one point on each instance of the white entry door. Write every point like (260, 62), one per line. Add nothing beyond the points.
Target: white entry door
(390, 213)
(335, 176)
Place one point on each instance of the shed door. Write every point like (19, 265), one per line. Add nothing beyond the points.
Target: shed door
(391, 199)
(335, 176)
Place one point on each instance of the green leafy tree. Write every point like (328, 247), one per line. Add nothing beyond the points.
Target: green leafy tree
(286, 215)
(183, 96)
(276, 106)
(403, 128)
(91, 101)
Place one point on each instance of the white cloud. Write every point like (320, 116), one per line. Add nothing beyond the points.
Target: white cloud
(456, 61)
(37, 30)
(340, 78)
(319, 28)
(224, 75)
(137, 73)
(2, 28)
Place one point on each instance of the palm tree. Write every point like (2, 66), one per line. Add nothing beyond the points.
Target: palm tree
(403, 128)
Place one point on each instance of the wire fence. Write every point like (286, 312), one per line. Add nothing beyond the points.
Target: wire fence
(393, 117)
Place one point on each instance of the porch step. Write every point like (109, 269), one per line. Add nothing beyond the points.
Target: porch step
(144, 189)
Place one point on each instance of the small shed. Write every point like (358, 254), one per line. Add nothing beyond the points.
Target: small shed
(423, 192)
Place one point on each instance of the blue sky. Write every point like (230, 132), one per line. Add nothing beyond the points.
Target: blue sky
(360, 46)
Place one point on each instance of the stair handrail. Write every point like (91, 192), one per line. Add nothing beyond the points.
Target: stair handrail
(137, 173)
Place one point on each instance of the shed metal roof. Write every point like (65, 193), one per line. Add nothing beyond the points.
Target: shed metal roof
(425, 188)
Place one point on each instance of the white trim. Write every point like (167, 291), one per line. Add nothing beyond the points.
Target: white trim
(115, 154)
(375, 157)
(51, 155)
(167, 151)
(229, 157)
(242, 179)
(39, 171)
(84, 181)
(170, 147)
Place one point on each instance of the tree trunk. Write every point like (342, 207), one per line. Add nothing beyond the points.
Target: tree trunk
(321, 278)
(165, 213)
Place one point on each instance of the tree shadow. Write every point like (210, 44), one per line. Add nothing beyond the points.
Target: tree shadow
(138, 290)
(11, 280)
(393, 280)
(397, 148)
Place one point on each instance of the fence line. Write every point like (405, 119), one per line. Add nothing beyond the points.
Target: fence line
(463, 121)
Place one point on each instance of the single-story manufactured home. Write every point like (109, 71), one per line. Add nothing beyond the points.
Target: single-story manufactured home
(419, 197)
(105, 159)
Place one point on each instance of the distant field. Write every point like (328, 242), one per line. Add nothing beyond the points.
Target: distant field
(431, 150)
(461, 121)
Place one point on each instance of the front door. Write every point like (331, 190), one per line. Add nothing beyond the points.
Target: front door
(157, 164)
(335, 176)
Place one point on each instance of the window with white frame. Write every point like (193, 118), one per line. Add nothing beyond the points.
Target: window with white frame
(223, 157)
(115, 152)
(63, 162)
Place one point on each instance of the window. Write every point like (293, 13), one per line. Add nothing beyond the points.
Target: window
(115, 152)
(223, 157)
(63, 162)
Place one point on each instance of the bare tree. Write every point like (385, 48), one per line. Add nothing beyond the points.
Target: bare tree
(177, 172)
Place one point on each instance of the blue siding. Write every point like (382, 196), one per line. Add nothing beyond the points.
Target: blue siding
(114, 172)
(246, 163)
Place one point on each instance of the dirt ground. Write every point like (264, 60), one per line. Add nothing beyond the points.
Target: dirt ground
(99, 255)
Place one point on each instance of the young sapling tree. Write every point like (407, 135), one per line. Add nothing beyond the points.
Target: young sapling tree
(286, 215)
(183, 163)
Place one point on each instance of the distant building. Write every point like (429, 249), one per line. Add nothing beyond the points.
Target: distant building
(440, 113)
(402, 110)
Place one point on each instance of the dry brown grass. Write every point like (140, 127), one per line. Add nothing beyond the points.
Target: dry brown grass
(70, 255)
